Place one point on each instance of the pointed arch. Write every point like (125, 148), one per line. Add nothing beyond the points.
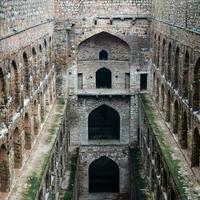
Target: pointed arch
(195, 162)
(169, 62)
(36, 121)
(163, 56)
(162, 97)
(15, 84)
(196, 86)
(27, 75)
(4, 170)
(2, 88)
(184, 132)
(176, 68)
(158, 53)
(104, 123)
(103, 175)
(103, 55)
(176, 118)
(17, 144)
(103, 78)
(27, 136)
(168, 106)
(186, 75)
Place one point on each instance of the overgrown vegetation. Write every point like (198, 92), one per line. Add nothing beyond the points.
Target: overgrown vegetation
(33, 182)
(141, 190)
(167, 153)
(69, 193)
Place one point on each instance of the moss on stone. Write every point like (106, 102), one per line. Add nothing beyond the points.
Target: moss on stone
(173, 164)
(69, 193)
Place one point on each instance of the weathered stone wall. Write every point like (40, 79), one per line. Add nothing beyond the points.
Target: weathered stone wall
(75, 8)
(16, 16)
(175, 70)
(27, 82)
(88, 154)
(56, 167)
(184, 14)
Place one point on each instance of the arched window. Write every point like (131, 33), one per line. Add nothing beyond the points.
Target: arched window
(196, 86)
(103, 175)
(4, 170)
(176, 69)
(186, 75)
(196, 148)
(103, 78)
(103, 55)
(104, 123)
(27, 75)
(176, 117)
(15, 84)
(184, 132)
(2, 88)
(169, 67)
(17, 149)
(27, 127)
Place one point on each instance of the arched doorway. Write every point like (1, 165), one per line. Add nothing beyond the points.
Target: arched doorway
(27, 127)
(184, 132)
(176, 118)
(104, 123)
(196, 86)
(103, 55)
(17, 149)
(103, 78)
(196, 148)
(4, 170)
(103, 175)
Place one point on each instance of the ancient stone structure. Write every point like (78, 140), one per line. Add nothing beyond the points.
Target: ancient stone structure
(129, 74)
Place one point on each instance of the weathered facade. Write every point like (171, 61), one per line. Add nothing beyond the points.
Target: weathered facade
(129, 74)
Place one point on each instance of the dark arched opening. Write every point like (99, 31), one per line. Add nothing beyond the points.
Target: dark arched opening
(103, 78)
(184, 132)
(186, 76)
(104, 123)
(15, 84)
(27, 75)
(17, 149)
(163, 97)
(176, 118)
(168, 107)
(27, 127)
(196, 86)
(4, 170)
(103, 55)
(163, 56)
(103, 175)
(158, 53)
(196, 148)
(176, 69)
(169, 68)
(2, 88)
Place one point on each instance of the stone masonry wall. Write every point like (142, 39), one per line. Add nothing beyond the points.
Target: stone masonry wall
(18, 15)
